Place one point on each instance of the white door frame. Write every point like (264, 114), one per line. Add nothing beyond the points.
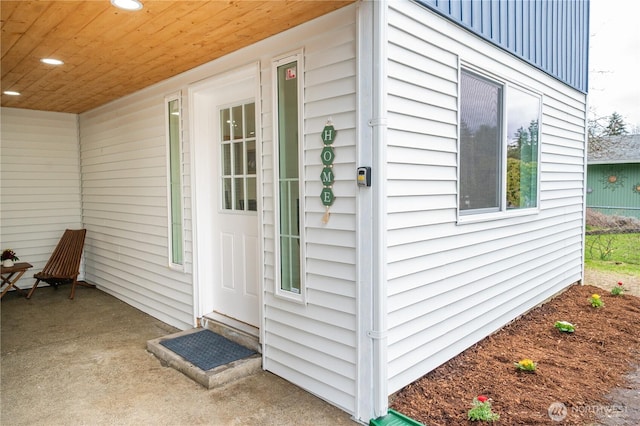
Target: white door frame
(201, 203)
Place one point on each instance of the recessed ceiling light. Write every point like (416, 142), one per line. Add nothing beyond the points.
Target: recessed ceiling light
(127, 4)
(51, 61)
(11, 93)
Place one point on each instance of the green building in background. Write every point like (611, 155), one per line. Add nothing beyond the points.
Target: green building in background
(613, 175)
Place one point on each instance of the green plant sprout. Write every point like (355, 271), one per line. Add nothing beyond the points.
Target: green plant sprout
(596, 301)
(564, 326)
(618, 290)
(526, 365)
(481, 410)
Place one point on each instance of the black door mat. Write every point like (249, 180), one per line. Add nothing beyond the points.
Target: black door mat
(206, 349)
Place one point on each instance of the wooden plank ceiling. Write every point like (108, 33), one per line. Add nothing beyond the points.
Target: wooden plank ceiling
(109, 52)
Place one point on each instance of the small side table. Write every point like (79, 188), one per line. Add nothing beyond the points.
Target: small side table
(12, 274)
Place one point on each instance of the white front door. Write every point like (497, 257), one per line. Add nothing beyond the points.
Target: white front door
(235, 234)
(226, 174)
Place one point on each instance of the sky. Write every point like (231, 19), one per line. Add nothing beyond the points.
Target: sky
(614, 60)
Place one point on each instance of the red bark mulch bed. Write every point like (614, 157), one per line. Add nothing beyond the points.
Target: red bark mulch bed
(577, 369)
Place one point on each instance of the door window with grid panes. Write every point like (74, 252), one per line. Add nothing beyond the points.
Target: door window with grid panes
(238, 154)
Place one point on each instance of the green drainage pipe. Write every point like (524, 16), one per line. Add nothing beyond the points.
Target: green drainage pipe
(393, 418)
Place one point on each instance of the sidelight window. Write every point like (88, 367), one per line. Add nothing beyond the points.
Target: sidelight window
(174, 174)
(288, 103)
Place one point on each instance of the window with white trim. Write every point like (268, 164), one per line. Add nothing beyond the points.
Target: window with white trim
(289, 190)
(499, 146)
(174, 177)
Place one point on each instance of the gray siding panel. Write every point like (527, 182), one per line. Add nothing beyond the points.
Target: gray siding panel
(124, 168)
(39, 183)
(552, 35)
(314, 344)
(472, 277)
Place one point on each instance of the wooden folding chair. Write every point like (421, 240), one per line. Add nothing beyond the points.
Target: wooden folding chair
(63, 266)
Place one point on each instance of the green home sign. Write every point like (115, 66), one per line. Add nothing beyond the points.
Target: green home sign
(327, 177)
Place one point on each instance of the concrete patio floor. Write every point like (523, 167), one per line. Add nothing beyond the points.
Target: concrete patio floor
(83, 361)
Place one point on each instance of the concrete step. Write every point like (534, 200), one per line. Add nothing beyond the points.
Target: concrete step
(215, 377)
(236, 331)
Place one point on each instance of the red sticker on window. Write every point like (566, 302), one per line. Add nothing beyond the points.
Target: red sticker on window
(291, 73)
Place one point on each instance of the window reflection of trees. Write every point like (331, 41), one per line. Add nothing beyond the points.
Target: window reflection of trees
(522, 167)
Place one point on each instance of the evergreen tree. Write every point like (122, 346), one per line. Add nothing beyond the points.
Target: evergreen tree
(521, 138)
(525, 143)
(616, 126)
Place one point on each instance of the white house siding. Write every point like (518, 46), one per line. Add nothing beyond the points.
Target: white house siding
(39, 183)
(450, 284)
(314, 345)
(124, 194)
